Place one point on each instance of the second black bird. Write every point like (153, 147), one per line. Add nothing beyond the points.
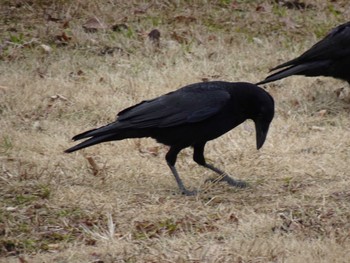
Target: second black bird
(190, 116)
(328, 57)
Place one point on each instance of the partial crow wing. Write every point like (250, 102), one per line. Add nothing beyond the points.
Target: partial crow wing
(187, 105)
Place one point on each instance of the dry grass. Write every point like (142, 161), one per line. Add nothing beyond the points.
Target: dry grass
(118, 202)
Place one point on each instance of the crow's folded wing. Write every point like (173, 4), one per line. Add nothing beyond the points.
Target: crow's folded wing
(175, 108)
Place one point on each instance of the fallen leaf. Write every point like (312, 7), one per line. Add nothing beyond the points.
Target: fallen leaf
(233, 218)
(260, 8)
(63, 39)
(94, 167)
(180, 38)
(22, 259)
(94, 24)
(65, 24)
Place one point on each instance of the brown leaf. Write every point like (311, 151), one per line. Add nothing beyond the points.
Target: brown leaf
(295, 103)
(212, 37)
(65, 24)
(94, 167)
(63, 38)
(180, 38)
(77, 75)
(94, 24)
(233, 218)
(260, 8)
(22, 259)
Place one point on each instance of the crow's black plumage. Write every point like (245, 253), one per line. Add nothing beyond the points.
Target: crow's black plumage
(329, 57)
(190, 116)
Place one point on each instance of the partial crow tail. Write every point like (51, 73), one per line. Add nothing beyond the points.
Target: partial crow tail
(293, 70)
(90, 142)
(106, 133)
(104, 130)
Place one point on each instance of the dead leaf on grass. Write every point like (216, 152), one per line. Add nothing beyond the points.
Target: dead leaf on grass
(62, 39)
(94, 24)
(233, 218)
(181, 38)
(94, 167)
(22, 259)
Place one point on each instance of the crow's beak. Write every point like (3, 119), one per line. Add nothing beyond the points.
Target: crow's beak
(261, 130)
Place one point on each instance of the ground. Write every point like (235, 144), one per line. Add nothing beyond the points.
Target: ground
(68, 66)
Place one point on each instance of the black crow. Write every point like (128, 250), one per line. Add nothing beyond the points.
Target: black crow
(190, 116)
(328, 57)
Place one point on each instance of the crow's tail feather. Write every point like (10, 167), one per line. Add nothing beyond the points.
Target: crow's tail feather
(104, 130)
(91, 141)
(310, 69)
(293, 70)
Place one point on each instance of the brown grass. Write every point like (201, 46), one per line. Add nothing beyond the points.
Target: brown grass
(118, 202)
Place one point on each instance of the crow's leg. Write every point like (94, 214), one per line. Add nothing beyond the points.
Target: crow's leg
(171, 160)
(198, 157)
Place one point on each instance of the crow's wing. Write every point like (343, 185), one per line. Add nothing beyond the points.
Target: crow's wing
(335, 45)
(186, 105)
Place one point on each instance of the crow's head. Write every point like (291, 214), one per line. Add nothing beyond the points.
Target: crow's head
(262, 117)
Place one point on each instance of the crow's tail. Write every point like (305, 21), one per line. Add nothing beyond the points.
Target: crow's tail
(310, 69)
(293, 70)
(91, 141)
(106, 133)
